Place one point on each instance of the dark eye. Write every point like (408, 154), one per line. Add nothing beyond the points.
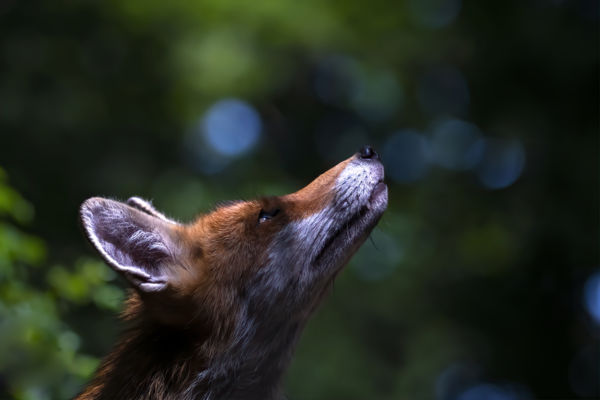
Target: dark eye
(265, 215)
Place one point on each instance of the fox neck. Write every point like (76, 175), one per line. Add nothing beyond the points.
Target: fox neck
(154, 361)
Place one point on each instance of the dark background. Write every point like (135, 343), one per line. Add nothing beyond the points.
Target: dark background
(482, 279)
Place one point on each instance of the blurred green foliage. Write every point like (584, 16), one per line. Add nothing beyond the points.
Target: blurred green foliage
(460, 285)
(40, 353)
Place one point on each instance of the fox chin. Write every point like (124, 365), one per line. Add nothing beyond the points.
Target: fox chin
(217, 305)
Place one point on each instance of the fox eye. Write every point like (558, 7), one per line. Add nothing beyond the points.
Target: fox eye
(266, 215)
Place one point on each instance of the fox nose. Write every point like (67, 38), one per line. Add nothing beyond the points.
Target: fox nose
(367, 152)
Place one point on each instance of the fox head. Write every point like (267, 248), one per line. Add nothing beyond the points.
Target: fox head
(248, 274)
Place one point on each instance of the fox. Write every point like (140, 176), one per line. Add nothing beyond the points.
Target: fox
(216, 307)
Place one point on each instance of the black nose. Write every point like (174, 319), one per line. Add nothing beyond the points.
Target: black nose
(367, 152)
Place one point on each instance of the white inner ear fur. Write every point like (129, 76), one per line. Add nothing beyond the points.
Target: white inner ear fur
(131, 242)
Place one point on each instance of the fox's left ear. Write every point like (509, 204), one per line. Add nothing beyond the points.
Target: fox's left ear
(134, 239)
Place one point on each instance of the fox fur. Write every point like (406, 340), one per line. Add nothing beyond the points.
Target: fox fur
(217, 305)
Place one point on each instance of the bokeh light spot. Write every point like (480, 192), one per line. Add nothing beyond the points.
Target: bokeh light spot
(231, 127)
(487, 391)
(591, 296)
(454, 379)
(502, 164)
(455, 144)
(228, 129)
(406, 155)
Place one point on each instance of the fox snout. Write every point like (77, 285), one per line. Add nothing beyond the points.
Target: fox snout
(363, 179)
(356, 197)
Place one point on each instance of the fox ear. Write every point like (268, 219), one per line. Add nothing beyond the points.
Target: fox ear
(135, 240)
(148, 208)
